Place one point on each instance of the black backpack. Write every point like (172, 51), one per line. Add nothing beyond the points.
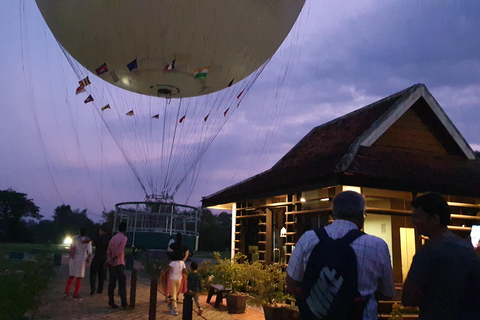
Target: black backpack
(330, 283)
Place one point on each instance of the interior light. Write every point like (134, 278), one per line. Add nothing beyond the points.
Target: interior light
(325, 199)
(67, 240)
(283, 232)
(302, 199)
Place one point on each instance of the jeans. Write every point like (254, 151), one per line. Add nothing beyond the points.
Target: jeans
(117, 273)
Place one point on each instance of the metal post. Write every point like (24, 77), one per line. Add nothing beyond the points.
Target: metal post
(133, 289)
(152, 311)
(135, 226)
(187, 306)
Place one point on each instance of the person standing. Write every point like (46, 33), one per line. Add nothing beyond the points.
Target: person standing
(194, 284)
(80, 253)
(177, 270)
(374, 268)
(444, 277)
(116, 266)
(98, 263)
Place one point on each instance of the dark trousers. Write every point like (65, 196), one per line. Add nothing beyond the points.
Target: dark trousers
(117, 273)
(97, 268)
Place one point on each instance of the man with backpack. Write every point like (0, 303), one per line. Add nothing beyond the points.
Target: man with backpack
(337, 271)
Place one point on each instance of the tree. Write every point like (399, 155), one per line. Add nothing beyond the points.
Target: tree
(214, 231)
(14, 207)
(68, 221)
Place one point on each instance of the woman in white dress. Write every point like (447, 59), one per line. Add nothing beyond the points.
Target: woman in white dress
(80, 253)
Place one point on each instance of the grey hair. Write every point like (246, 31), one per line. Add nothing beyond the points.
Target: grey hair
(348, 205)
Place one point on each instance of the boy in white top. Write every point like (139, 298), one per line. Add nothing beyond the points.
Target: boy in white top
(176, 269)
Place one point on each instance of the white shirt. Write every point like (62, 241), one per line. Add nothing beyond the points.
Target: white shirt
(373, 262)
(177, 269)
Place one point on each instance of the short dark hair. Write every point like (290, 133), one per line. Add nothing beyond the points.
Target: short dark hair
(83, 231)
(179, 237)
(122, 227)
(194, 265)
(348, 205)
(433, 203)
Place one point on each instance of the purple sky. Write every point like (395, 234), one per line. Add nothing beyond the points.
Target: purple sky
(338, 58)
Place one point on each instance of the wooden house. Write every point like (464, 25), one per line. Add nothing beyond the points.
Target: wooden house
(389, 151)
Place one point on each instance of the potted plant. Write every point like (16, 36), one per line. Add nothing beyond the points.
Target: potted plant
(235, 276)
(268, 291)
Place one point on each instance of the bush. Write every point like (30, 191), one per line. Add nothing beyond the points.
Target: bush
(21, 290)
(267, 284)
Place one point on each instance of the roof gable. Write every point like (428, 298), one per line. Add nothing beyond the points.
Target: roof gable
(405, 131)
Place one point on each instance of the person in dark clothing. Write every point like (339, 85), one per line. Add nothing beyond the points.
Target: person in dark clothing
(444, 278)
(98, 263)
(179, 250)
(194, 284)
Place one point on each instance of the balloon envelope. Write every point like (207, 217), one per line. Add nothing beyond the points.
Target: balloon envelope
(171, 48)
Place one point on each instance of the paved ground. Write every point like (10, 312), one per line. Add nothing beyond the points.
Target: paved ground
(54, 306)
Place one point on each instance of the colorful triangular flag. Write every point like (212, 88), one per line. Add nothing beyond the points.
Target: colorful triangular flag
(85, 82)
(230, 84)
(102, 69)
(132, 65)
(201, 73)
(89, 99)
(225, 113)
(106, 107)
(170, 67)
(156, 116)
(181, 119)
(205, 119)
(129, 113)
(80, 89)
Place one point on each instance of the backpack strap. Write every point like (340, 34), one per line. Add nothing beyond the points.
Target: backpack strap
(352, 235)
(322, 234)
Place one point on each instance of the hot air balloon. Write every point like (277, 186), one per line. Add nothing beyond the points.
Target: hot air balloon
(204, 54)
(171, 48)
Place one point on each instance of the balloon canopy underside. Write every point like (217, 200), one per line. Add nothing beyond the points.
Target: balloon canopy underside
(171, 48)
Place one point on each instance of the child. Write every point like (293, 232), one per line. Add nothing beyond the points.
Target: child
(177, 268)
(194, 284)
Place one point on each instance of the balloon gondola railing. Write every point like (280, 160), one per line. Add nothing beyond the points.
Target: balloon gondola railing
(150, 223)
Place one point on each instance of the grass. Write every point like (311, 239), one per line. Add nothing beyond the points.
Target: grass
(21, 282)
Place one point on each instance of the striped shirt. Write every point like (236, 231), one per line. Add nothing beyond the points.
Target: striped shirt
(373, 261)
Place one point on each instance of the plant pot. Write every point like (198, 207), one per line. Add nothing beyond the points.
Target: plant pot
(280, 312)
(273, 313)
(236, 303)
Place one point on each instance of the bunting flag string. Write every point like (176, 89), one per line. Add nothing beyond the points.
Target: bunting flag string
(225, 113)
(170, 67)
(102, 69)
(205, 119)
(106, 107)
(80, 89)
(201, 73)
(129, 113)
(85, 82)
(181, 119)
(240, 94)
(132, 65)
(89, 99)
(157, 116)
